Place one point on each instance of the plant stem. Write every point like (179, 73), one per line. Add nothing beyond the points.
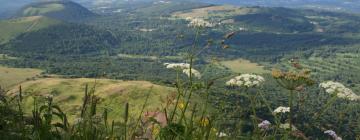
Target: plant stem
(291, 108)
(253, 108)
(206, 102)
(328, 104)
(177, 98)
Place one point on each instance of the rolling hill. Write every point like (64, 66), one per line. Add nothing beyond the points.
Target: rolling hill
(115, 93)
(329, 5)
(62, 10)
(14, 76)
(62, 39)
(11, 28)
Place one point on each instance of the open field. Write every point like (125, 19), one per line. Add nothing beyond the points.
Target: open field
(243, 66)
(68, 93)
(13, 76)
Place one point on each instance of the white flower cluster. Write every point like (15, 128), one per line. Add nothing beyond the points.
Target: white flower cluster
(185, 67)
(287, 126)
(197, 22)
(194, 73)
(282, 109)
(177, 65)
(340, 90)
(264, 125)
(221, 134)
(332, 134)
(247, 80)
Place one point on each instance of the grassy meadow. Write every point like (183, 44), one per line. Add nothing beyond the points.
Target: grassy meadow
(30, 11)
(14, 27)
(243, 66)
(114, 94)
(14, 76)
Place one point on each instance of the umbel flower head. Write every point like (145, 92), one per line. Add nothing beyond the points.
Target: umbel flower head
(282, 109)
(177, 65)
(339, 90)
(194, 73)
(246, 80)
(221, 134)
(287, 126)
(292, 80)
(185, 67)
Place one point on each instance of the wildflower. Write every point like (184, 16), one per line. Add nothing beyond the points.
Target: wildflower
(156, 130)
(233, 82)
(292, 79)
(214, 130)
(181, 105)
(339, 90)
(332, 134)
(264, 125)
(287, 126)
(247, 80)
(194, 73)
(185, 67)
(276, 73)
(204, 122)
(177, 65)
(282, 109)
(221, 134)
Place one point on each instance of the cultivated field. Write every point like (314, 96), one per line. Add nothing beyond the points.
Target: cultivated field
(243, 66)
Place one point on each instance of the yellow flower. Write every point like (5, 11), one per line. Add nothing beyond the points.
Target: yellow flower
(276, 73)
(156, 130)
(214, 130)
(204, 122)
(181, 105)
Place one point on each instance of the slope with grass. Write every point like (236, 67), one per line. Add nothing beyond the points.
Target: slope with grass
(68, 93)
(63, 10)
(11, 28)
(12, 76)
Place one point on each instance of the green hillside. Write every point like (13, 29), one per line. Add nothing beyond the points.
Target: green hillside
(63, 10)
(276, 20)
(115, 93)
(13, 76)
(11, 28)
(40, 10)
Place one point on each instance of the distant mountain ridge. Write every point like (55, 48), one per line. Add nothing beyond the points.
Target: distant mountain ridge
(330, 5)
